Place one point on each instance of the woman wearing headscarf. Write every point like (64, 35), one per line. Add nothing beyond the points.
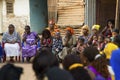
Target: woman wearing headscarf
(85, 33)
(11, 40)
(30, 40)
(95, 30)
(69, 41)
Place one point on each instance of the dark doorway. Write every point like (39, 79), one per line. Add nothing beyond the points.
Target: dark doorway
(105, 9)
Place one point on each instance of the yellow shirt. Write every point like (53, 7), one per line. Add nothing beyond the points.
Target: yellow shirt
(109, 48)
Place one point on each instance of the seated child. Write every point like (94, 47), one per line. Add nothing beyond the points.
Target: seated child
(57, 43)
(101, 43)
(80, 46)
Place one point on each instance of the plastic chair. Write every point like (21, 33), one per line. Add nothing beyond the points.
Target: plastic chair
(4, 54)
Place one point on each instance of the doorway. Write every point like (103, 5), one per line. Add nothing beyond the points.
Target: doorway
(105, 9)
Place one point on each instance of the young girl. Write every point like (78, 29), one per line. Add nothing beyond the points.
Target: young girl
(101, 43)
(46, 40)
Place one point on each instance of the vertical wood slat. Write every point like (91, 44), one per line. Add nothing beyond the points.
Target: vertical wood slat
(52, 9)
(1, 15)
(70, 12)
(117, 23)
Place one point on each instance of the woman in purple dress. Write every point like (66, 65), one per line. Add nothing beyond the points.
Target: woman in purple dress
(30, 40)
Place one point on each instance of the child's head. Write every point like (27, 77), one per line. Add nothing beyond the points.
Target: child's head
(95, 38)
(81, 40)
(115, 32)
(57, 35)
(73, 64)
(107, 40)
(46, 34)
(100, 38)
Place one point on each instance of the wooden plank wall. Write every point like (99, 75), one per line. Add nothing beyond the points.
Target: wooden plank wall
(70, 12)
(52, 9)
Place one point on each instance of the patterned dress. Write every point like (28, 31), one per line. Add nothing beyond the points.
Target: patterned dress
(57, 45)
(29, 49)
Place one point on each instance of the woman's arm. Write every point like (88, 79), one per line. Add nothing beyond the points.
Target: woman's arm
(37, 39)
(18, 38)
(104, 30)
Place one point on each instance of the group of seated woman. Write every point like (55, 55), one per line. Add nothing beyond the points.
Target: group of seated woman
(12, 44)
(60, 46)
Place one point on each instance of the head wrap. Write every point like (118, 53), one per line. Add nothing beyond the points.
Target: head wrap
(97, 56)
(70, 29)
(75, 66)
(85, 27)
(97, 27)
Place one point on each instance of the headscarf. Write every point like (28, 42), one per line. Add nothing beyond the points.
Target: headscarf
(97, 27)
(70, 29)
(86, 27)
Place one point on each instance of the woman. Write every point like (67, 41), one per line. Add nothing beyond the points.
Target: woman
(73, 64)
(11, 40)
(107, 31)
(96, 63)
(69, 41)
(30, 40)
(85, 33)
(95, 30)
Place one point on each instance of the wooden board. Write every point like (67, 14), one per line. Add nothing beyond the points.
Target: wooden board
(70, 12)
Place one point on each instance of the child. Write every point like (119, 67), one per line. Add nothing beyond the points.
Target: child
(46, 40)
(80, 46)
(101, 44)
(95, 41)
(57, 43)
